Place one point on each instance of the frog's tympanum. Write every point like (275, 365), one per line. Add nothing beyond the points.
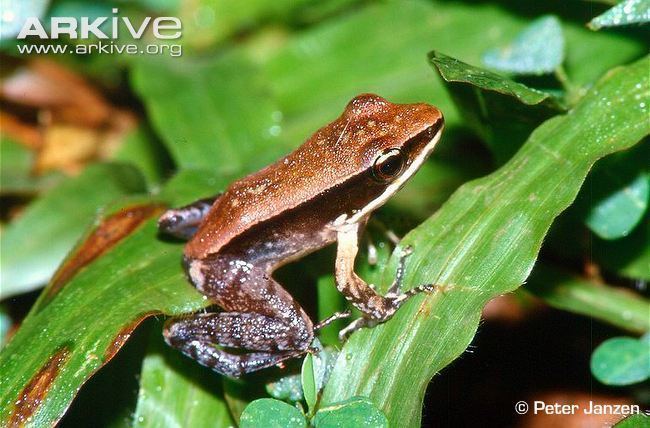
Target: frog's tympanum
(323, 192)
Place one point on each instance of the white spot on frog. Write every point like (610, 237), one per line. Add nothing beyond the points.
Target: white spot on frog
(196, 273)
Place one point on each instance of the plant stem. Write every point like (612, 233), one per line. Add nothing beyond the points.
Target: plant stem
(573, 92)
(560, 289)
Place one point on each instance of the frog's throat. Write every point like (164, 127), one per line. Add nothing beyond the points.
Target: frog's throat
(397, 184)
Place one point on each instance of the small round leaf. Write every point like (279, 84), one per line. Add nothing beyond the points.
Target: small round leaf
(357, 412)
(271, 413)
(621, 361)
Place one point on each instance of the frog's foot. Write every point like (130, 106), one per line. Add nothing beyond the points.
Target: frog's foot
(272, 340)
(183, 222)
(355, 325)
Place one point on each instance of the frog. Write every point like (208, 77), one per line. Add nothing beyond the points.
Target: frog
(322, 193)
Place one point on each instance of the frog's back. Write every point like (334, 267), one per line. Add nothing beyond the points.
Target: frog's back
(335, 154)
(295, 179)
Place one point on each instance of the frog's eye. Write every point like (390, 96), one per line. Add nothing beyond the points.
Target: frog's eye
(388, 165)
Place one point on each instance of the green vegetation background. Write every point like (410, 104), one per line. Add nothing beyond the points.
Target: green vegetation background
(256, 78)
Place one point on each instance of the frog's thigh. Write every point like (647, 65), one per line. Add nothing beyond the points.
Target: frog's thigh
(261, 316)
(184, 221)
(256, 305)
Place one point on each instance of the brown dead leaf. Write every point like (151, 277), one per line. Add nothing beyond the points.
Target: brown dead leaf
(68, 121)
(510, 308)
(44, 84)
(19, 131)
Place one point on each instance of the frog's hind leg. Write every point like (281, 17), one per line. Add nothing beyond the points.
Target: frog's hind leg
(183, 222)
(271, 340)
(261, 319)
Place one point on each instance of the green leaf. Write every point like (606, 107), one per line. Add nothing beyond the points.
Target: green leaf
(483, 243)
(563, 290)
(538, 49)
(638, 420)
(629, 256)
(175, 391)
(270, 413)
(141, 149)
(620, 192)
(389, 60)
(357, 412)
(621, 361)
(308, 378)
(330, 301)
(208, 22)
(16, 170)
(287, 388)
(242, 133)
(138, 276)
(35, 243)
(625, 13)
(501, 111)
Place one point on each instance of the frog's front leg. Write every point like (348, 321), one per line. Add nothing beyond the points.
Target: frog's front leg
(184, 221)
(375, 308)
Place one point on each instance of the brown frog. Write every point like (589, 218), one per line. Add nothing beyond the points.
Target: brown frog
(321, 193)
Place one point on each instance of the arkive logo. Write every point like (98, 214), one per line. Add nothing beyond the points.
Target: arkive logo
(162, 28)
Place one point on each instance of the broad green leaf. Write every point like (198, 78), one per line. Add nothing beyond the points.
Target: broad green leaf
(621, 361)
(538, 49)
(625, 13)
(638, 420)
(208, 22)
(16, 170)
(210, 113)
(483, 243)
(119, 380)
(270, 413)
(141, 149)
(318, 70)
(620, 192)
(77, 325)
(563, 290)
(357, 412)
(503, 112)
(175, 391)
(308, 378)
(35, 243)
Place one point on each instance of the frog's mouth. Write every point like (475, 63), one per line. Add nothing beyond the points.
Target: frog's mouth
(430, 136)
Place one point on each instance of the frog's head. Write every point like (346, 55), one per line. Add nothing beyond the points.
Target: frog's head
(392, 141)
